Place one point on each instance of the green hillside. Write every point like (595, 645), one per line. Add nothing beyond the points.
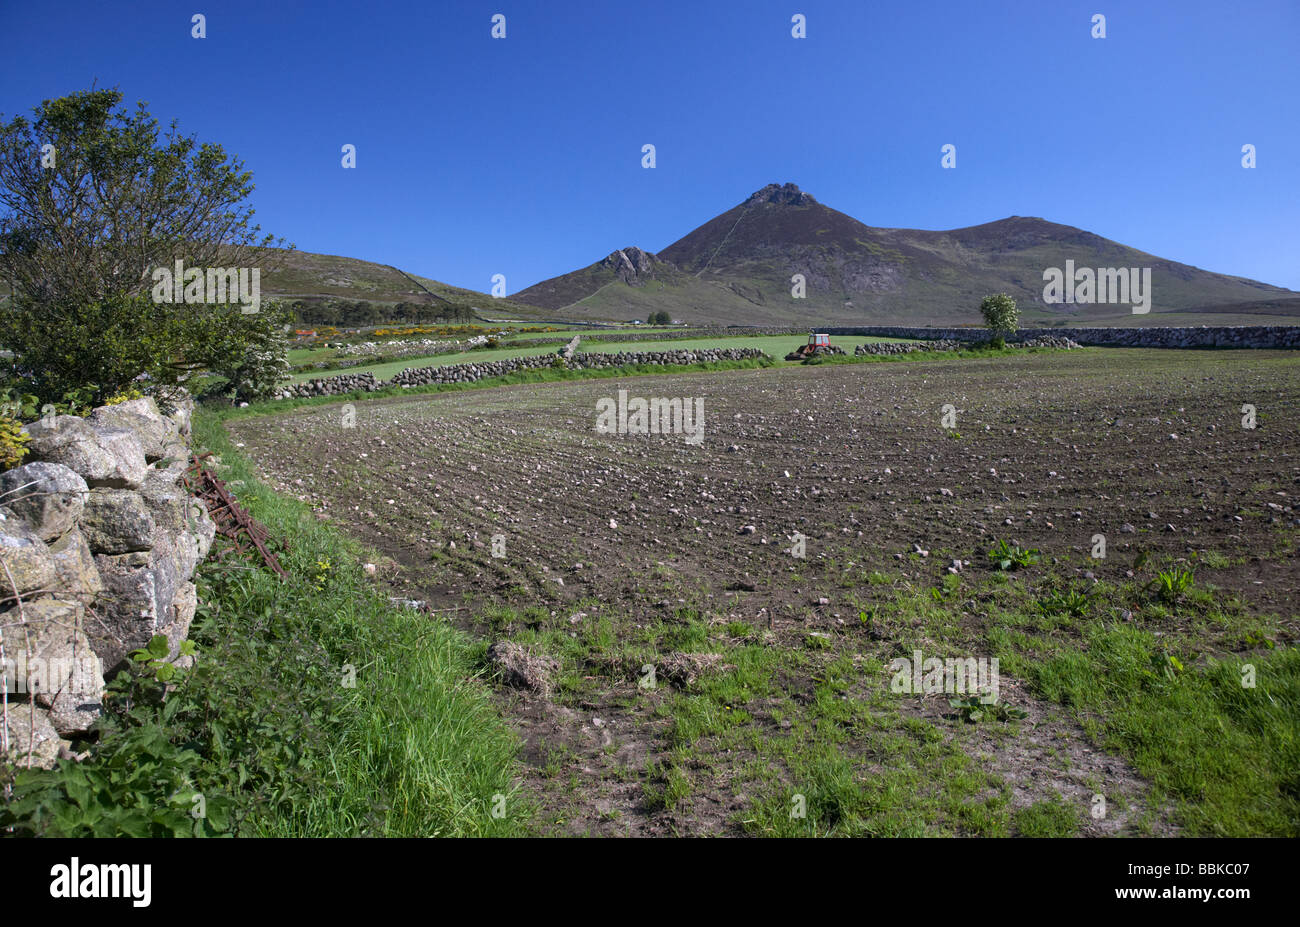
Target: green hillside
(317, 278)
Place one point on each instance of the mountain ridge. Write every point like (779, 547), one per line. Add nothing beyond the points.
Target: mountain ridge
(736, 268)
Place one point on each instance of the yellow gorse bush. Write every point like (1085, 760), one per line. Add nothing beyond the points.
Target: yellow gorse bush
(13, 442)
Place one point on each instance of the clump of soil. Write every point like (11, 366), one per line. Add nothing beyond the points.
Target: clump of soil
(682, 669)
(520, 668)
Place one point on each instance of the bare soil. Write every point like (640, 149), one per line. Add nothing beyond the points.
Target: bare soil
(646, 532)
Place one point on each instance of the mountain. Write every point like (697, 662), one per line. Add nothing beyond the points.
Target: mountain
(316, 279)
(312, 283)
(737, 268)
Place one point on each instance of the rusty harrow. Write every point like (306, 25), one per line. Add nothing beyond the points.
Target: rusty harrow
(243, 530)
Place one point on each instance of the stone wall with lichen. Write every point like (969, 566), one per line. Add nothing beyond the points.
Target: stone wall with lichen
(99, 540)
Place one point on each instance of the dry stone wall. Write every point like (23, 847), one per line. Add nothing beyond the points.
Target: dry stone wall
(99, 540)
(1223, 336)
(1284, 337)
(471, 373)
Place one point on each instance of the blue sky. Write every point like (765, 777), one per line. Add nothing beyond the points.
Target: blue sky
(522, 155)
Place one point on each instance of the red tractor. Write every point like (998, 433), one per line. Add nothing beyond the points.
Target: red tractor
(818, 345)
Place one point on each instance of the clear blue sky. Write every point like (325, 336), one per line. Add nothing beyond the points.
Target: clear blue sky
(522, 156)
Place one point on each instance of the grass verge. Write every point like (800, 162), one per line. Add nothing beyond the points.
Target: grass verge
(315, 709)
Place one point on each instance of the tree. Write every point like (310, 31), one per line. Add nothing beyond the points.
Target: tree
(660, 318)
(256, 368)
(1000, 315)
(93, 200)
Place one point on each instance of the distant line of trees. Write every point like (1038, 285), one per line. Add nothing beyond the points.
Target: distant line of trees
(359, 313)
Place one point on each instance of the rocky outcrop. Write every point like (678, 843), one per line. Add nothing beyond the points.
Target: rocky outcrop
(98, 544)
(31, 737)
(54, 663)
(45, 494)
(781, 195)
(632, 265)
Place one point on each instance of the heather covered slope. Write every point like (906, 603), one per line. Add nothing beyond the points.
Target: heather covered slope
(302, 275)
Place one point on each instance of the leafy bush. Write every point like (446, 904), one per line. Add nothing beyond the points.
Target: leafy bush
(19, 405)
(82, 236)
(83, 359)
(27, 407)
(13, 442)
(124, 395)
(155, 657)
(1001, 317)
(256, 365)
(143, 789)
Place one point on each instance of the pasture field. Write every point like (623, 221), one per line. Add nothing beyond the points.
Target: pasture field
(693, 667)
(776, 345)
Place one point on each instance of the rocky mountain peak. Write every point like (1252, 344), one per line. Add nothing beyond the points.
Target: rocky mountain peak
(782, 195)
(631, 264)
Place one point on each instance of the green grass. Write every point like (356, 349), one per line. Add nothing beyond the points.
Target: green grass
(776, 345)
(568, 331)
(543, 375)
(1226, 754)
(898, 778)
(1221, 755)
(419, 749)
(266, 726)
(1164, 692)
(667, 787)
(1046, 819)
